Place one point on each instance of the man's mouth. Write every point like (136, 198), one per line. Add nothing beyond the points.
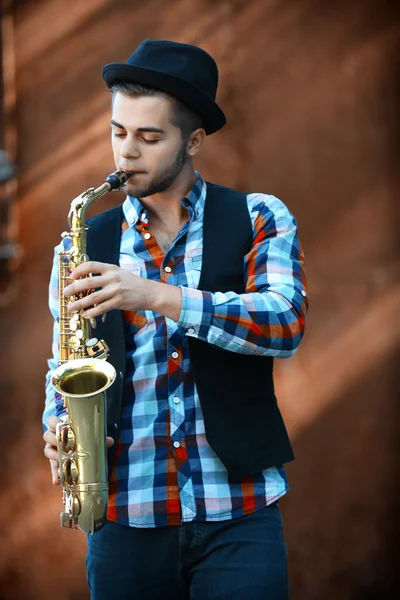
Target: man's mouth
(135, 174)
(132, 171)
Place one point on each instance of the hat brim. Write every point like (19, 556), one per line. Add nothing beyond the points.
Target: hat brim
(212, 116)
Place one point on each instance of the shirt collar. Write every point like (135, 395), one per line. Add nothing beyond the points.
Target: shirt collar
(197, 196)
(134, 210)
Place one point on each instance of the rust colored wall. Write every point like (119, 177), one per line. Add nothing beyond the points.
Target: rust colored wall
(310, 89)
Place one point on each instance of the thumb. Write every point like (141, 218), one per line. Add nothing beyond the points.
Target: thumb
(109, 442)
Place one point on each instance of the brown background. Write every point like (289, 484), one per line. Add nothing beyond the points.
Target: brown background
(310, 89)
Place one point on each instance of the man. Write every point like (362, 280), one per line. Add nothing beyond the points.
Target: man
(207, 285)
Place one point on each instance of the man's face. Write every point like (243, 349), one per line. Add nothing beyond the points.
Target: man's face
(146, 143)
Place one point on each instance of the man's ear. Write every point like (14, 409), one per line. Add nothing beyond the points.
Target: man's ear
(195, 141)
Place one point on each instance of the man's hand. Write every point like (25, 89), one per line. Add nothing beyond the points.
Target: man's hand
(50, 449)
(116, 288)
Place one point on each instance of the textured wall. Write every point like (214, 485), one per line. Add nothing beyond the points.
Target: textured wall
(310, 89)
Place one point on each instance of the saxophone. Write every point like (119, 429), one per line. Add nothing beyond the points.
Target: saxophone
(82, 378)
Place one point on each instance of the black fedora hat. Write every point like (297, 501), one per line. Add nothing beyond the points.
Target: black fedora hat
(184, 71)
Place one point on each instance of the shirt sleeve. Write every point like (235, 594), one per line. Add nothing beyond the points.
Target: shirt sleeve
(269, 318)
(54, 405)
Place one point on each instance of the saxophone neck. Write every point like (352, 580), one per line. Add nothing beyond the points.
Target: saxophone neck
(81, 203)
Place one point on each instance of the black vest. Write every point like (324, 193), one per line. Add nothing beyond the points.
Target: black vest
(242, 421)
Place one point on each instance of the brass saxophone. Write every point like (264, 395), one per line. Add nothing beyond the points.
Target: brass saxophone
(82, 379)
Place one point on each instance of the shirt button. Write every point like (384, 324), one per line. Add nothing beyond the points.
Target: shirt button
(175, 355)
(190, 330)
(176, 444)
(303, 293)
(147, 236)
(143, 216)
(176, 400)
(168, 269)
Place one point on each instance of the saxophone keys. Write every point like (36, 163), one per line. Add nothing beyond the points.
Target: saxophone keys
(75, 506)
(69, 516)
(67, 438)
(66, 520)
(74, 342)
(93, 322)
(71, 472)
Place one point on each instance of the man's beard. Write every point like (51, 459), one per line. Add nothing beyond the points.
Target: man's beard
(163, 181)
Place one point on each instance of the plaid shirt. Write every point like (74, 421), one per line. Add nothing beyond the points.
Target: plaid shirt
(165, 472)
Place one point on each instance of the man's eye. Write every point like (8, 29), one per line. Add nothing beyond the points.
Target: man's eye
(146, 141)
(119, 134)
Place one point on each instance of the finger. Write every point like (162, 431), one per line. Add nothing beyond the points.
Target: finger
(109, 442)
(91, 299)
(50, 437)
(55, 472)
(91, 266)
(51, 452)
(99, 309)
(52, 422)
(85, 284)
(96, 298)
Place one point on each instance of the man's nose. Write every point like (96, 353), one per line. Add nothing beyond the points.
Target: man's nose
(130, 148)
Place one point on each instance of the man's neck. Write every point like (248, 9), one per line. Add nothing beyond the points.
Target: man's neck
(166, 207)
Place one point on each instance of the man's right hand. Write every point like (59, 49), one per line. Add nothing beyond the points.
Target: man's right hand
(50, 449)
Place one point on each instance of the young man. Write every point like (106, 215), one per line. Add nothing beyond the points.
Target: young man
(207, 286)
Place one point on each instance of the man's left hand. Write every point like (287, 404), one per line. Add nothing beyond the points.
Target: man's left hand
(116, 288)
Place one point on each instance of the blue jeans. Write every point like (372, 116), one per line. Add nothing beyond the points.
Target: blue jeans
(226, 560)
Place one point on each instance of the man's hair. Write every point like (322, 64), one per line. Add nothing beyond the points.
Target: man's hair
(181, 115)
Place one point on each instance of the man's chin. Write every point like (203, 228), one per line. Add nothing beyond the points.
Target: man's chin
(136, 191)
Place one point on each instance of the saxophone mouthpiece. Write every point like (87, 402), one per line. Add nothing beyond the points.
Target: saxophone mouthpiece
(117, 179)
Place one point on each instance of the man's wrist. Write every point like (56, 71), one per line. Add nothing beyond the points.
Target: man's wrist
(165, 299)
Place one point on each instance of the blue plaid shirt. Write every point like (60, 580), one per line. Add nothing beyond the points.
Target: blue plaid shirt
(165, 472)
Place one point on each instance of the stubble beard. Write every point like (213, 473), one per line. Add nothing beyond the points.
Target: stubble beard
(162, 181)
